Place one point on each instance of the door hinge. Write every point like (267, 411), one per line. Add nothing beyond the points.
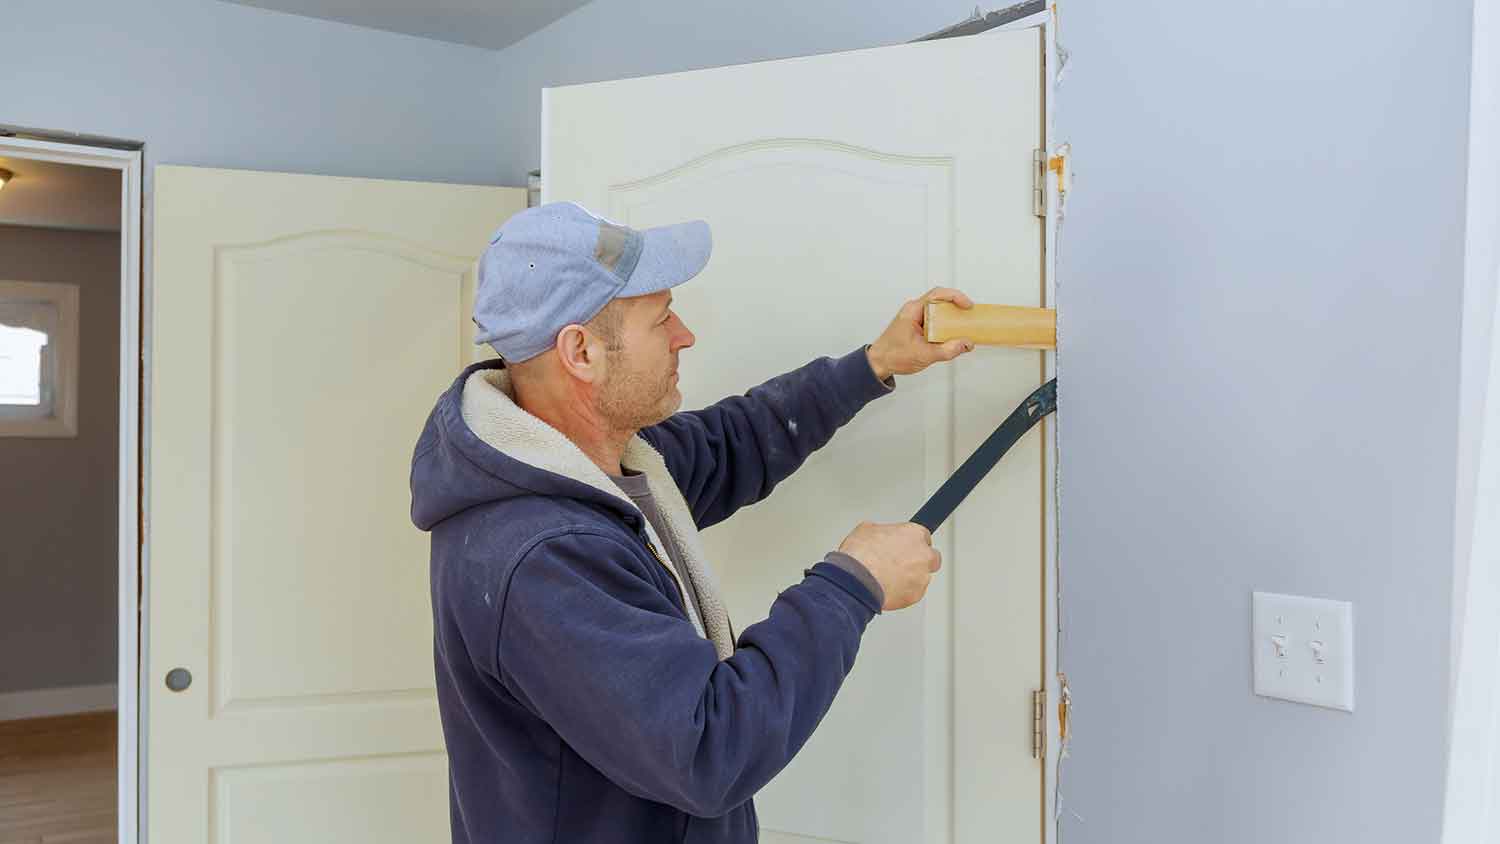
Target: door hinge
(1038, 723)
(1039, 182)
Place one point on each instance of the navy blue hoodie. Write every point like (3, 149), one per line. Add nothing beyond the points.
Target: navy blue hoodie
(579, 702)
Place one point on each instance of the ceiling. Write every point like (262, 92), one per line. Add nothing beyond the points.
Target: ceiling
(60, 196)
(480, 23)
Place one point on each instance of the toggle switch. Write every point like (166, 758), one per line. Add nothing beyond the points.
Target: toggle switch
(1311, 654)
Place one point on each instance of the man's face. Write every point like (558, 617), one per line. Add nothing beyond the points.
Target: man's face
(640, 383)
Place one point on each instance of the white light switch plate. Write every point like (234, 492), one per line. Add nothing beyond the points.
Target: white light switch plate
(1304, 649)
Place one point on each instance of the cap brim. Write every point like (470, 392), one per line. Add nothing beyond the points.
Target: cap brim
(670, 255)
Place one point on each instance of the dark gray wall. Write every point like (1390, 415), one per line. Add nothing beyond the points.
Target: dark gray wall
(223, 85)
(1261, 276)
(613, 39)
(58, 497)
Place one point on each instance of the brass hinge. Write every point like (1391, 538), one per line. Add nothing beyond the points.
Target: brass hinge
(1038, 723)
(1038, 182)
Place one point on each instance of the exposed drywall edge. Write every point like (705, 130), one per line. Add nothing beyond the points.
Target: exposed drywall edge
(1058, 692)
(49, 703)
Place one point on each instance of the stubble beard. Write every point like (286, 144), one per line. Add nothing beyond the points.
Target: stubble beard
(630, 399)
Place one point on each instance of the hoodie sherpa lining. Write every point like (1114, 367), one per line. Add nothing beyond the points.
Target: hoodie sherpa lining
(490, 411)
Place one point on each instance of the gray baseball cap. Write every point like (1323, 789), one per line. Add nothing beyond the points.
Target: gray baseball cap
(559, 264)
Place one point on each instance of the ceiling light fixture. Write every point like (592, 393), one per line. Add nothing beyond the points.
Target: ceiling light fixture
(4, 177)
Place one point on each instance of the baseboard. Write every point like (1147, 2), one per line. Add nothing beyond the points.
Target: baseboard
(45, 703)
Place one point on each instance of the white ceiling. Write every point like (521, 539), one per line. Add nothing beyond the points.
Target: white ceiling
(481, 23)
(60, 196)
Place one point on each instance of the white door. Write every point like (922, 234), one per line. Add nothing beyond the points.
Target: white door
(302, 327)
(838, 186)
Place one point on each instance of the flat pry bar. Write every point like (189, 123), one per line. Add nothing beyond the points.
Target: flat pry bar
(1034, 409)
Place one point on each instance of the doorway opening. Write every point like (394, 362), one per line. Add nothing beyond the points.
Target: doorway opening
(70, 375)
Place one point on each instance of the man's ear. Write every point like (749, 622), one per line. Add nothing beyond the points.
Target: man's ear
(581, 353)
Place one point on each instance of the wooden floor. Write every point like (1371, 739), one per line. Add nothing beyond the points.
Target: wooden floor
(57, 780)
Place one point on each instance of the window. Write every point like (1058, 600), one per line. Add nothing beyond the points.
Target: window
(38, 359)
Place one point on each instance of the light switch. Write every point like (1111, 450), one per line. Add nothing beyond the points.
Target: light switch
(1303, 649)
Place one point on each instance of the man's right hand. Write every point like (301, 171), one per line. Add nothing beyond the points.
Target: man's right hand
(899, 556)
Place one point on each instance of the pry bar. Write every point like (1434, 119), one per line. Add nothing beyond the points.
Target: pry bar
(954, 490)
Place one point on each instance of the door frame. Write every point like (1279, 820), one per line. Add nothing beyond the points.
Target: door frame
(127, 162)
(1057, 702)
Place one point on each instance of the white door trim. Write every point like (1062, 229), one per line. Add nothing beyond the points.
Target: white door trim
(128, 164)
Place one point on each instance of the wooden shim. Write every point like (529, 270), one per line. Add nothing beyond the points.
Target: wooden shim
(992, 325)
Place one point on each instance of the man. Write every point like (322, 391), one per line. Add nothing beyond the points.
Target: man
(590, 685)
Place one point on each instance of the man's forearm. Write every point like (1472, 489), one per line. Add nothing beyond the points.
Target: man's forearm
(878, 365)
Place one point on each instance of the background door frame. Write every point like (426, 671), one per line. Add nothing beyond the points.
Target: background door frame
(128, 164)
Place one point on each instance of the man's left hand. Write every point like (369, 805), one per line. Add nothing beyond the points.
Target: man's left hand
(902, 349)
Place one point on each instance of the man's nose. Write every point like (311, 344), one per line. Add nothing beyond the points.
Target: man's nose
(685, 338)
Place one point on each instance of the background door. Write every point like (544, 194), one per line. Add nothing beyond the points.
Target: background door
(837, 187)
(301, 329)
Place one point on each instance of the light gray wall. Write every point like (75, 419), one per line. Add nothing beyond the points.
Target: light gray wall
(58, 562)
(614, 39)
(1261, 270)
(222, 85)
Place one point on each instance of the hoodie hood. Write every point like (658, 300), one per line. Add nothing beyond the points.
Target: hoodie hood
(479, 447)
(454, 468)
